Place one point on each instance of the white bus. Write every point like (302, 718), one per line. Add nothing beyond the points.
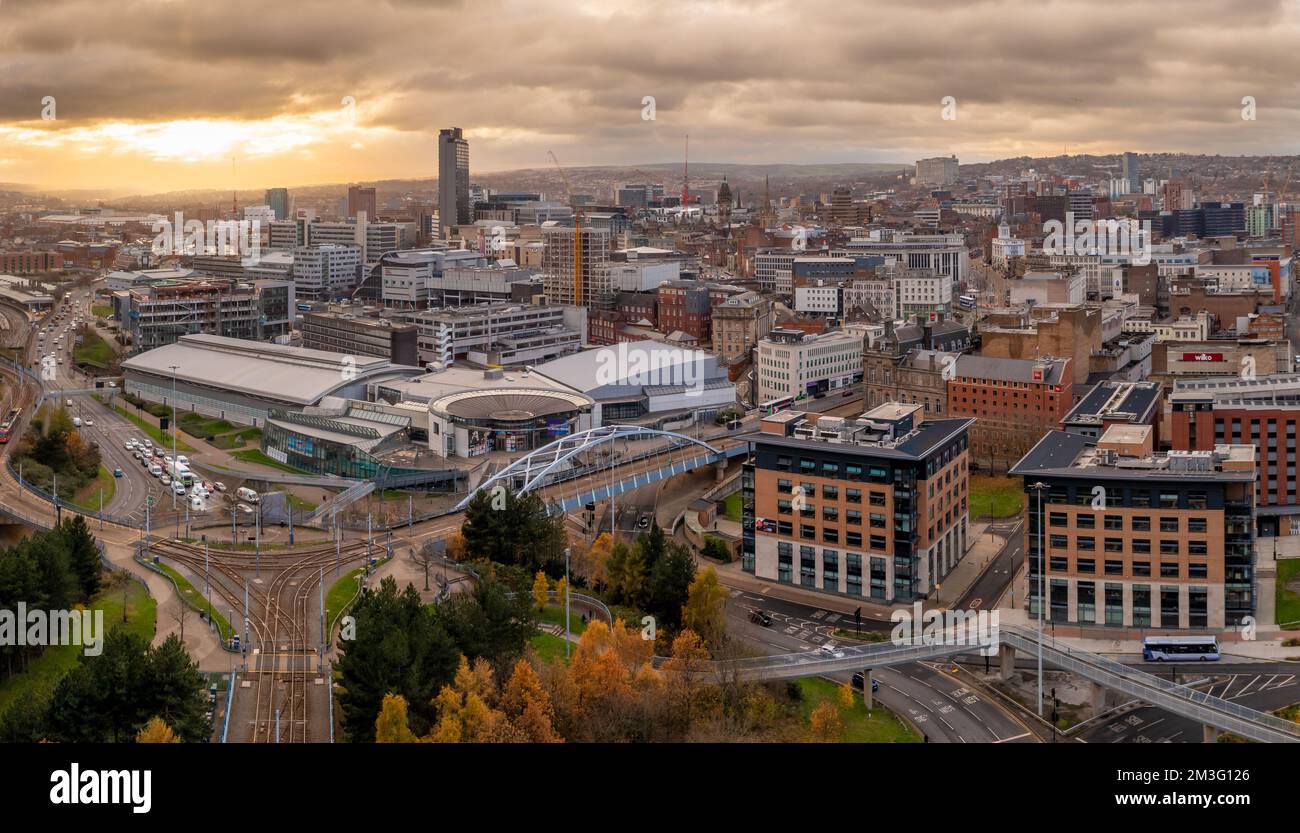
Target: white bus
(967, 301)
(1180, 648)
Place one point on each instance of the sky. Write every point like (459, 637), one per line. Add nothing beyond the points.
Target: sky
(148, 96)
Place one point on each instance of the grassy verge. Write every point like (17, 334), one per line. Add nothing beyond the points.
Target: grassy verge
(1001, 497)
(340, 594)
(255, 455)
(1288, 601)
(44, 672)
(88, 497)
(554, 615)
(301, 503)
(733, 506)
(101, 310)
(549, 647)
(93, 351)
(154, 433)
(192, 597)
(865, 636)
(880, 726)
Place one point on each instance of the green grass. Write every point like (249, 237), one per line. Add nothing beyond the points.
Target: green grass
(192, 597)
(88, 497)
(301, 503)
(255, 455)
(101, 310)
(881, 726)
(550, 647)
(1001, 497)
(1288, 601)
(733, 506)
(554, 615)
(154, 433)
(93, 351)
(340, 594)
(45, 671)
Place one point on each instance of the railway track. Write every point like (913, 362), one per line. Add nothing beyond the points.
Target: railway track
(278, 630)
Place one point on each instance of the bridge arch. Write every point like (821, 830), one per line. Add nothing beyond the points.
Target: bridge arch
(539, 464)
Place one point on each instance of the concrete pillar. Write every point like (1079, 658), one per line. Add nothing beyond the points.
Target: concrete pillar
(720, 471)
(866, 688)
(1209, 734)
(1098, 697)
(1006, 661)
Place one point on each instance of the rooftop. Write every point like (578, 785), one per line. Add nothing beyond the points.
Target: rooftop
(1129, 401)
(1051, 371)
(1061, 454)
(294, 375)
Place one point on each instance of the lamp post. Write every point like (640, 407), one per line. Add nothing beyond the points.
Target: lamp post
(1042, 572)
(174, 368)
(566, 603)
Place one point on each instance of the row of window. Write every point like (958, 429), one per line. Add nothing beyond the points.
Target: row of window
(832, 492)
(1137, 523)
(1113, 604)
(1168, 546)
(1112, 567)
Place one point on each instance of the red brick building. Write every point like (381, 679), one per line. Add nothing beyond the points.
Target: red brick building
(1015, 402)
(30, 262)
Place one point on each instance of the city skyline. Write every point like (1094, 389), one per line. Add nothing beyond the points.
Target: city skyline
(156, 96)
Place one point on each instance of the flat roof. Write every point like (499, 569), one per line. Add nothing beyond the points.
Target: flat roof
(654, 359)
(916, 445)
(295, 375)
(1115, 400)
(1062, 454)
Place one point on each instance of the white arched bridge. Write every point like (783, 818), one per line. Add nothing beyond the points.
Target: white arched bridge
(592, 451)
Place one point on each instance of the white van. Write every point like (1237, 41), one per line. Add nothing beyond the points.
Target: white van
(76, 422)
(155, 469)
(246, 494)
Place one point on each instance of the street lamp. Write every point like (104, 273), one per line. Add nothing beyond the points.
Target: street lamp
(174, 368)
(1042, 572)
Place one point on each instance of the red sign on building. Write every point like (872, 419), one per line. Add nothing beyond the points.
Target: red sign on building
(1202, 357)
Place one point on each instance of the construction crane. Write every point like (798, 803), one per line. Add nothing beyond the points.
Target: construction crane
(577, 233)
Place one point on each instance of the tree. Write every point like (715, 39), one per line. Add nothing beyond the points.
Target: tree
(456, 547)
(527, 704)
(156, 731)
(401, 647)
(465, 711)
(715, 549)
(826, 724)
(561, 590)
(506, 528)
(541, 590)
(489, 623)
(391, 725)
(705, 608)
(83, 554)
(670, 583)
(593, 562)
(846, 696)
(627, 574)
(652, 544)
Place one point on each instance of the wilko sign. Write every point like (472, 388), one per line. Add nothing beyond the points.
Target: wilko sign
(1202, 357)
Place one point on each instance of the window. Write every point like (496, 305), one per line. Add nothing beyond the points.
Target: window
(1115, 522)
(877, 499)
(877, 542)
(1114, 568)
(1087, 601)
(877, 520)
(1114, 545)
(1141, 568)
(831, 536)
(1058, 519)
(807, 531)
(830, 513)
(1198, 570)
(1168, 500)
(1197, 525)
(1168, 524)
(1141, 605)
(1086, 565)
(1058, 564)
(1141, 545)
(1058, 542)
(1141, 523)
(1084, 521)
(1198, 548)
(1169, 548)
(1086, 543)
(853, 495)
(830, 493)
(1168, 569)
(783, 507)
(1114, 604)
(783, 463)
(853, 539)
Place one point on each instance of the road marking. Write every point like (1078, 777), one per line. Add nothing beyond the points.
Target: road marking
(1013, 737)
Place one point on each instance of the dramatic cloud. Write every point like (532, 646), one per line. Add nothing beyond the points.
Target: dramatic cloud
(164, 94)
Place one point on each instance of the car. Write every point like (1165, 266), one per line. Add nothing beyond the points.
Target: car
(167, 458)
(68, 402)
(643, 522)
(830, 649)
(117, 472)
(182, 460)
(129, 445)
(165, 478)
(89, 422)
(857, 682)
(178, 488)
(760, 617)
(221, 487)
(245, 508)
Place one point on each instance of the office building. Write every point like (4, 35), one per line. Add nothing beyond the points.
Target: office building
(326, 271)
(453, 181)
(791, 363)
(945, 254)
(1014, 402)
(874, 507)
(739, 323)
(937, 170)
(1131, 173)
(278, 199)
(496, 333)
(361, 200)
(1132, 538)
(564, 282)
(155, 315)
(340, 332)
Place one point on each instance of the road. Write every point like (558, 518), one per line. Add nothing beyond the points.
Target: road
(992, 583)
(1261, 686)
(943, 707)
